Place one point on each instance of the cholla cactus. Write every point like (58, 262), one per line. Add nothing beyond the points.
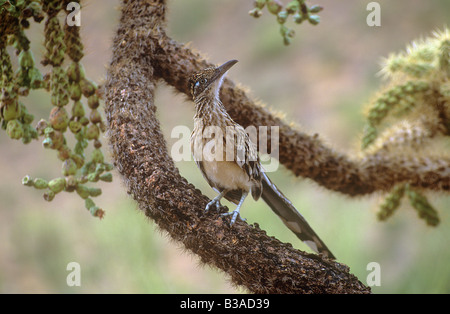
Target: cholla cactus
(413, 110)
(418, 87)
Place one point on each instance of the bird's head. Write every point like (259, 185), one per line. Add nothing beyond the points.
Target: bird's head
(209, 80)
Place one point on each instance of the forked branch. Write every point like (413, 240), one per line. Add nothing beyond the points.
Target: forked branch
(260, 263)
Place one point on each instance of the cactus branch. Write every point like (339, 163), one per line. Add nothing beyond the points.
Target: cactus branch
(175, 205)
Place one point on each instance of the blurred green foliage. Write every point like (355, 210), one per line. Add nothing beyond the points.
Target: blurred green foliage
(297, 8)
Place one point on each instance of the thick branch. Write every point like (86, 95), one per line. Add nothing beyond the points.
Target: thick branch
(251, 258)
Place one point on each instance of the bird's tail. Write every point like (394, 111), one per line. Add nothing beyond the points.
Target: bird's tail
(291, 217)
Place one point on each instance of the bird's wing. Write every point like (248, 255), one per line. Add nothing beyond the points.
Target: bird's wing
(247, 158)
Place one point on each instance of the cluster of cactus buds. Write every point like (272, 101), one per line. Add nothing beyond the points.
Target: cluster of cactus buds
(67, 87)
(15, 118)
(297, 8)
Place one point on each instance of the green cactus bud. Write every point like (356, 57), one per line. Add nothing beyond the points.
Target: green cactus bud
(93, 210)
(14, 129)
(47, 142)
(78, 109)
(29, 133)
(27, 181)
(92, 132)
(255, 12)
(40, 184)
(87, 168)
(79, 149)
(35, 78)
(259, 3)
(64, 153)
(49, 196)
(33, 133)
(102, 127)
(314, 19)
(71, 184)
(97, 156)
(282, 17)
(93, 101)
(95, 116)
(56, 140)
(286, 41)
(93, 177)
(75, 91)
(84, 121)
(106, 177)
(292, 7)
(75, 72)
(57, 185)
(59, 118)
(75, 126)
(298, 18)
(108, 166)
(93, 192)
(26, 59)
(88, 87)
(27, 118)
(315, 9)
(11, 111)
(83, 191)
(79, 160)
(89, 203)
(69, 167)
(274, 6)
(97, 143)
(97, 212)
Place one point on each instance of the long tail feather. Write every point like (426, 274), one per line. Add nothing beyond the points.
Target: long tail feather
(291, 217)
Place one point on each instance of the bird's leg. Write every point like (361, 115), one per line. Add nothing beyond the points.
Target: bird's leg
(235, 212)
(216, 201)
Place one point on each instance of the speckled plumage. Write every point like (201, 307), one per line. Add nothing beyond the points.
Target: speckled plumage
(235, 167)
(229, 160)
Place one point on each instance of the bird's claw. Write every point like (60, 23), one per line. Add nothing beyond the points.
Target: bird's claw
(235, 214)
(215, 203)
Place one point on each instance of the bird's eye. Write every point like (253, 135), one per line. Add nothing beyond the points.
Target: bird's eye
(204, 81)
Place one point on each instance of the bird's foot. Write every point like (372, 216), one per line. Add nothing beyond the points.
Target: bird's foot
(214, 203)
(235, 214)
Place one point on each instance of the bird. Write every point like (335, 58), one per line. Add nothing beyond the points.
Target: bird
(229, 160)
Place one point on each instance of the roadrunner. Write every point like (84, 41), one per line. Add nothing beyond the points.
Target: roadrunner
(229, 160)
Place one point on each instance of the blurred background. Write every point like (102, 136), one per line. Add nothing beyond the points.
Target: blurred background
(321, 82)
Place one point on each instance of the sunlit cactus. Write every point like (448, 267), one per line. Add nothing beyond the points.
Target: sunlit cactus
(411, 112)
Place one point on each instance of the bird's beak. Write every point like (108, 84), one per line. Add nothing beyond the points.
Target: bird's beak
(221, 70)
